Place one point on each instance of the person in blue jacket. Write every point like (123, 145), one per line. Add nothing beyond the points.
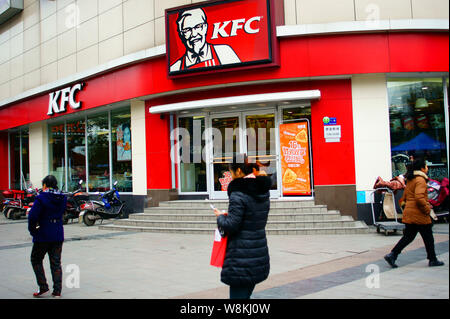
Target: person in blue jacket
(45, 224)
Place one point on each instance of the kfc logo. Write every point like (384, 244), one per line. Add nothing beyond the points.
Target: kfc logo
(192, 29)
(58, 100)
(219, 35)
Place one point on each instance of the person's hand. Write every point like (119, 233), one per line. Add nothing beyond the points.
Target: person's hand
(433, 215)
(218, 212)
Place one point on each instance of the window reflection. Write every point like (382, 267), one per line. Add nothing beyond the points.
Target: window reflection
(76, 153)
(56, 153)
(417, 124)
(19, 159)
(98, 152)
(192, 166)
(121, 149)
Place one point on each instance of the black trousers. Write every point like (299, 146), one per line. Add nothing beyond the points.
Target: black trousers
(410, 234)
(241, 292)
(54, 253)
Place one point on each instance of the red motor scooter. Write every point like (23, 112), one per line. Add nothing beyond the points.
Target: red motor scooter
(438, 197)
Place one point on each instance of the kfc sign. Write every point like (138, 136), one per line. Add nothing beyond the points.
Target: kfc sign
(219, 35)
(58, 100)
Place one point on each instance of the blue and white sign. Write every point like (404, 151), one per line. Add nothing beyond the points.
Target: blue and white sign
(329, 120)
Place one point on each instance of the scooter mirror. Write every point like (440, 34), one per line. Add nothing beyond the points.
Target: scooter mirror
(115, 183)
(80, 182)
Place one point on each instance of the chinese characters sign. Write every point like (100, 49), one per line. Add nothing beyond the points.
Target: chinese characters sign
(295, 161)
(218, 35)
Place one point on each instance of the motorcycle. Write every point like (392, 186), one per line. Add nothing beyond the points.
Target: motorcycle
(16, 207)
(109, 206)
(438, 197)
(75, 200)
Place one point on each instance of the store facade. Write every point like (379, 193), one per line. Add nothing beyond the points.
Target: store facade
(323, 113)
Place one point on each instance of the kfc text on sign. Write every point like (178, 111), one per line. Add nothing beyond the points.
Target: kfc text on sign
(63, 96)
(219, 28)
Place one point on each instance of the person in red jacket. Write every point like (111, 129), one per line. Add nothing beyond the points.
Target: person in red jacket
(45, 224)
(416, 215)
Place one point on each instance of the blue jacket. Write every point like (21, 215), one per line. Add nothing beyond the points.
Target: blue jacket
(45, 220)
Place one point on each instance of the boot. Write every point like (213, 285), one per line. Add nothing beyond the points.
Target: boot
(435, 263)
(390, 258)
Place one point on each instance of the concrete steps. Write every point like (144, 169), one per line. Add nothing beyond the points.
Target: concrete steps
(286, 217)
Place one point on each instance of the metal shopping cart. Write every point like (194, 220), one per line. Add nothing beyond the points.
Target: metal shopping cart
(388, 222)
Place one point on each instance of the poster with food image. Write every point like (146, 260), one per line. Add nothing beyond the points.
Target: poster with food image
(295, 161)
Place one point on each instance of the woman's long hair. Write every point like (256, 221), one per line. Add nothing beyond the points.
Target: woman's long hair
(416, 165)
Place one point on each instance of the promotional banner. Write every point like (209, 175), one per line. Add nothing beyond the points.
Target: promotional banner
(123, 142)
(295, 161)
(218, 35)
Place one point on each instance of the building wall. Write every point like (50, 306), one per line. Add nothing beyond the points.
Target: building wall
(51, 40)
(371, 129)
(139, 158)
(38, 153)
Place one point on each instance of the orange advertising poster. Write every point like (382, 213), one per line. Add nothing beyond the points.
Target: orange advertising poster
(295, 161)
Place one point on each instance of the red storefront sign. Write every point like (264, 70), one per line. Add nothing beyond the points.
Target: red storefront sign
(220, 35)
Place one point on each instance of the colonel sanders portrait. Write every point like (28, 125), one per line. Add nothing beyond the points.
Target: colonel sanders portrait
(192, 28)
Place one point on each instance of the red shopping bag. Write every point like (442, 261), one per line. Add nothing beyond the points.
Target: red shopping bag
(218, 250)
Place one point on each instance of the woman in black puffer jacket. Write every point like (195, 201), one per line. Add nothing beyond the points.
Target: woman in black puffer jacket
(247, 260)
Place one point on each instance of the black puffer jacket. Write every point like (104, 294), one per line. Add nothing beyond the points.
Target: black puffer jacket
(247, 256)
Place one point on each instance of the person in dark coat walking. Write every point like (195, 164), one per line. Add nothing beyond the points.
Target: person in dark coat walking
(45, 224)
(247, 261)
(416, 215)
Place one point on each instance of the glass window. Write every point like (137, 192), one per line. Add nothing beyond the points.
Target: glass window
(192, 166)
(19, 159)
(295, 113)
(56, 153)
(108, 150)
(76, 153)
(25, 137)
(261, 146)
(417, 124)
(98, 152)
(121, 149)
(14, 143)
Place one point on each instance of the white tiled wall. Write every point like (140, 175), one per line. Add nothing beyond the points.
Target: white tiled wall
(371, 129)
(52, 39)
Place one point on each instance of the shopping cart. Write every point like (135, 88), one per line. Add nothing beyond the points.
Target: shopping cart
(390, 222)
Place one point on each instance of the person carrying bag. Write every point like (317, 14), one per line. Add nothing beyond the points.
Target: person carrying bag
(247, 260)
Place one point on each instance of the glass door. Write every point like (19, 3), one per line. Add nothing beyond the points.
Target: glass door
(261, 144)
(252, 133)
(225, 141)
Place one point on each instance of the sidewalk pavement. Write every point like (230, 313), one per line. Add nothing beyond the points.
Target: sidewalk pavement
(129, 265)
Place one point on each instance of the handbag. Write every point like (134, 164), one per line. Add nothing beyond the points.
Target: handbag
(219, 249)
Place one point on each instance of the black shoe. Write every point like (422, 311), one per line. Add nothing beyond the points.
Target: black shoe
(390, 258)
(56, 294)
(435, 263)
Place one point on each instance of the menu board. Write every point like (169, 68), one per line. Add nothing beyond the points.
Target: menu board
(295, 161)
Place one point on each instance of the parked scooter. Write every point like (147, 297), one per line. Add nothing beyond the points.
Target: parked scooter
(109, 206)
(438, 197)
(17, 207)
(74, 201)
